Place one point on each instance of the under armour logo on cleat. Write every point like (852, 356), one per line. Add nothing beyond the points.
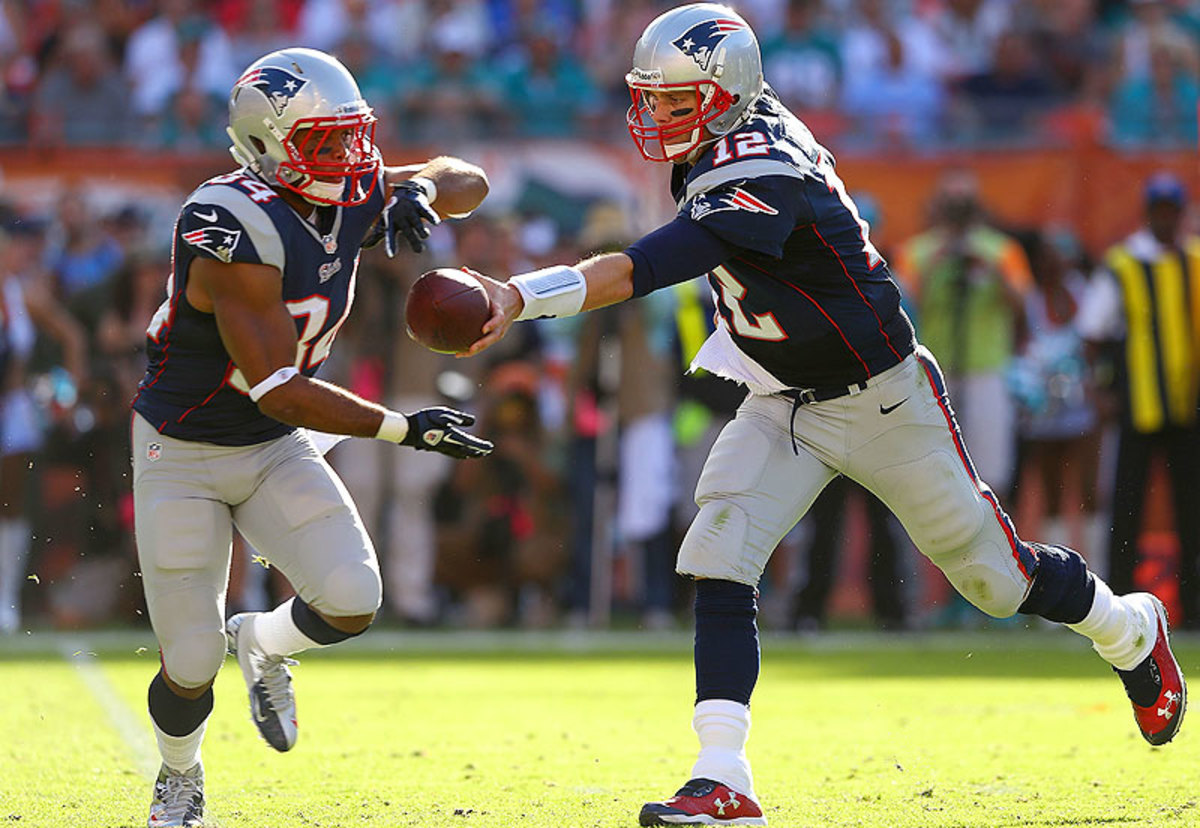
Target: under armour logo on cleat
(732, 803)
(1172, 700)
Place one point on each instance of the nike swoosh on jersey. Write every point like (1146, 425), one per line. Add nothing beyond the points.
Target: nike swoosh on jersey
(207, 216)
(888, 409)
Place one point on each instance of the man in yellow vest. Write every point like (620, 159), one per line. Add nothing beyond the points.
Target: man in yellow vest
(1146, 300)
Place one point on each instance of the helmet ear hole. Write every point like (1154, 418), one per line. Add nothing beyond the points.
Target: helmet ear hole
(259, 146)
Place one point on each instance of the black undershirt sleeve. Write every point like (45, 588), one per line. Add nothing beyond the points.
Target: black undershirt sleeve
(675, 253)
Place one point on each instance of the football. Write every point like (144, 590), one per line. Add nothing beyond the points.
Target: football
(446, 309)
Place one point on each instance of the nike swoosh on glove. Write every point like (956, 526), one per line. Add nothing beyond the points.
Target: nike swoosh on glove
(405, 214)
(440, 429)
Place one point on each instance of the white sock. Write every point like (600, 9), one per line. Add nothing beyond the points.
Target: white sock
(722, 727)
(277, 634)
(179, 752)
(1119, 629)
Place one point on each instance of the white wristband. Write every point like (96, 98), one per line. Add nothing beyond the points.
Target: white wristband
(427, 185)
(272, 382)
(394, 427)
(551, 291)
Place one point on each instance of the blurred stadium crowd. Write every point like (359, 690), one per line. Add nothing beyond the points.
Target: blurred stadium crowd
(599, 433)
(921, 73)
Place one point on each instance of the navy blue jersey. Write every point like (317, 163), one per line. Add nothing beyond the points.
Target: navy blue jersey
(192, 390)
(805, 295)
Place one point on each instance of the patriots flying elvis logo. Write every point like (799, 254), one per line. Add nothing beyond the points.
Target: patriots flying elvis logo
(739, 199)
(219, 241)
(700, 42)
(279, 85)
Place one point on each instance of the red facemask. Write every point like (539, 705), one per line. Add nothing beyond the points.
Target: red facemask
(331, 160)
(669, 142)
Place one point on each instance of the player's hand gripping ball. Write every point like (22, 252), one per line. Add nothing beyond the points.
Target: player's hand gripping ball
(446, 310)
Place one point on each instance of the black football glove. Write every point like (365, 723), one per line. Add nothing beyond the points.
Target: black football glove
(405, 214)
(439, 429)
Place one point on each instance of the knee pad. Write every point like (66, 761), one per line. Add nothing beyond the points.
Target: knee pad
(955, 525)
(1063, 589)
(350, 589)
(194, 658)
(715, 545)
(986, 575)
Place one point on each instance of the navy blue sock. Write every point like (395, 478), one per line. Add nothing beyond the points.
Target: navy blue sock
(1063, 589)
(175, 715)
(316, 627)
(726, 651)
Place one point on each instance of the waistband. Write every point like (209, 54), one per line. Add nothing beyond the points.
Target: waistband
(807, 396)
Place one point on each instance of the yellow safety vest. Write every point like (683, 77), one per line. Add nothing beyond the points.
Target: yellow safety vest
(1162, 339)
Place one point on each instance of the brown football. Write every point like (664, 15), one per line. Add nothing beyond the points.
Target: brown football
(446, 309)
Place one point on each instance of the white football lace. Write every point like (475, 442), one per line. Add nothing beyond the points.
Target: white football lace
(179, 789)
(277, 681)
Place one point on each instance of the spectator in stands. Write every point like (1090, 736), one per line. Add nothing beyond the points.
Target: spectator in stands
(1057, 414)
(79, 99)
(896, 105)
(1138, 299)
(968, 282)
(965, 34)
(26, 307)
(547, 90)
(803, 59)
(501, 539)
(452, 96)
(1070, 44)
(192, 122)
(1005, 102)
(81, 255)
(179, 48)
(396, 29)
(1149, 29)
(1157, 108)
(260, 27)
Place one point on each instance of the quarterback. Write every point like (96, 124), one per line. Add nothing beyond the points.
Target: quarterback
(810, 323)
(263, 271)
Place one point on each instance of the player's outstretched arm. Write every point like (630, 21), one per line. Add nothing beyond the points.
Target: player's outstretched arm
(553, 291)
(458, 186)
(424, 194)
(260, 336)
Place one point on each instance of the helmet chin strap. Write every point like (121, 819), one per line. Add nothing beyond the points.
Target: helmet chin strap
(327, 190)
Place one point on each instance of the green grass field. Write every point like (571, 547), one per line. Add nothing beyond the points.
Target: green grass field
(1011, 728)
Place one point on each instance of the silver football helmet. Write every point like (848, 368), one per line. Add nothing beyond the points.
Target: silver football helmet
(705, 52)
(296, 118)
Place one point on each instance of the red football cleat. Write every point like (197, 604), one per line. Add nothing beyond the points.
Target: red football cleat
(703, 802)
(1156, 687)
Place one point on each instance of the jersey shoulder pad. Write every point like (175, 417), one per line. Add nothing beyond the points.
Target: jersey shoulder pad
(758, 213)
(224, 221)
(759, 148)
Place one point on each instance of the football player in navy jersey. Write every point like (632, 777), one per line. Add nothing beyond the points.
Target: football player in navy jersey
(228, 417)
(810, 323)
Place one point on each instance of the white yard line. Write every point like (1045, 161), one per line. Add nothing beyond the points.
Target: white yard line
(134, 732)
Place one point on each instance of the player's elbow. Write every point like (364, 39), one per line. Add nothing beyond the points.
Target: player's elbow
(283, 404)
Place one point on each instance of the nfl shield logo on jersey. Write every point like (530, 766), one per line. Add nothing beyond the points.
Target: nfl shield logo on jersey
(700, 42)
(153, 451)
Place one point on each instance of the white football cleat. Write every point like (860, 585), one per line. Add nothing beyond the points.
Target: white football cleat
(178, 798)
(272, 700)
